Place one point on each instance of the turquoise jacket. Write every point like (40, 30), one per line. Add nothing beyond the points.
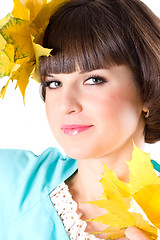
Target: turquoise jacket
(26, 180)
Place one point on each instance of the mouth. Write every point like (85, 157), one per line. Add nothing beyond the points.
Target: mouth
(74, 129)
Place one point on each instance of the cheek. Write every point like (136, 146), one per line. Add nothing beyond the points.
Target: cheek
(48, 109)
(120, 106)
(51, 113)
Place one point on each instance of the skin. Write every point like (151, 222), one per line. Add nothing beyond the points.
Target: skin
(134, 233)
(115, 111)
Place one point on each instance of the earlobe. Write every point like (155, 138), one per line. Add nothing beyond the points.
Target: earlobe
(146, 112)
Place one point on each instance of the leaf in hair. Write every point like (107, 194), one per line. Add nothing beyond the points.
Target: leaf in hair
(21, 37)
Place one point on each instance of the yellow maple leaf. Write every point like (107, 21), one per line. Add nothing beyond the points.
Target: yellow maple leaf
(3, 90)
(7, 60)
(42, 19)
(5, 20)
(149, 199)
(2, 43)
(145, 185)
(22, 74)
(34, 7)
(29, 19)
(141, 170)
(9, 50)
(39, 51)
(20, 11)
(17, 33)
(115, 188)
(142, 190)
(118, 217)
(113, 232)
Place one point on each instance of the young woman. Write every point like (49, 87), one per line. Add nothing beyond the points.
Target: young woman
(101, 91)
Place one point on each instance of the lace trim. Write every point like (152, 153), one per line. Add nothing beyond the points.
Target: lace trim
(66, 208)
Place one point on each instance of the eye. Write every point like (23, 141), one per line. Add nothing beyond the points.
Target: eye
(52, 84)
(95, 80)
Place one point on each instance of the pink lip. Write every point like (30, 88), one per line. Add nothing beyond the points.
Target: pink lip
(74, 129)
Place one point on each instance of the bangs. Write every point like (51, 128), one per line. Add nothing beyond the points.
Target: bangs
(80, 36)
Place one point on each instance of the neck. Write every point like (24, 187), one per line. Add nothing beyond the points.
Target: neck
(85, 185)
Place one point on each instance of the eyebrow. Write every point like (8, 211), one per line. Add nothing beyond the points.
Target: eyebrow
(49, 75)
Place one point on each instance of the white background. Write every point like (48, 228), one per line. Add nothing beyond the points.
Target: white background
(26, 127)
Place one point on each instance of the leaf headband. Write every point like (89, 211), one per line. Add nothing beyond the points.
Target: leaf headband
(21, 36)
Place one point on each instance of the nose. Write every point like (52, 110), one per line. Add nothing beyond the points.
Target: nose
(70, 102)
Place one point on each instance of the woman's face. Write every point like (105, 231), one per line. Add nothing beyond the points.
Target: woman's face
(92, 114)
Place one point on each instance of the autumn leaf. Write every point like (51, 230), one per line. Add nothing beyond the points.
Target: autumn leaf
(3, 90)
(141, 170)
(5, 20)
(113, 232)
(34, 7)
(2, 43)
(115, 188)
(145, 185)
(39, 51)
(7, 63)
(22, 74)
(21, 37)
(42, 19)
(118, 217)
(136, 203)
(16, 32)
(20, 11)
(149, 199)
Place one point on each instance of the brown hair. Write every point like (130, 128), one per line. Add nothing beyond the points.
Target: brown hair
(96, 33)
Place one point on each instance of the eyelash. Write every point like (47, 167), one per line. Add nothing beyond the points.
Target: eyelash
(47, 84)
(95, 77)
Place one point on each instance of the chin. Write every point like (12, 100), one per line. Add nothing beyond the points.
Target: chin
(78, 155)
(76, 152)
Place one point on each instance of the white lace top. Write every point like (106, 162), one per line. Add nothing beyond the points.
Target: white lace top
(66, 208)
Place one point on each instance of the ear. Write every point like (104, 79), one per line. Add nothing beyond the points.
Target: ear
(146, 111)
